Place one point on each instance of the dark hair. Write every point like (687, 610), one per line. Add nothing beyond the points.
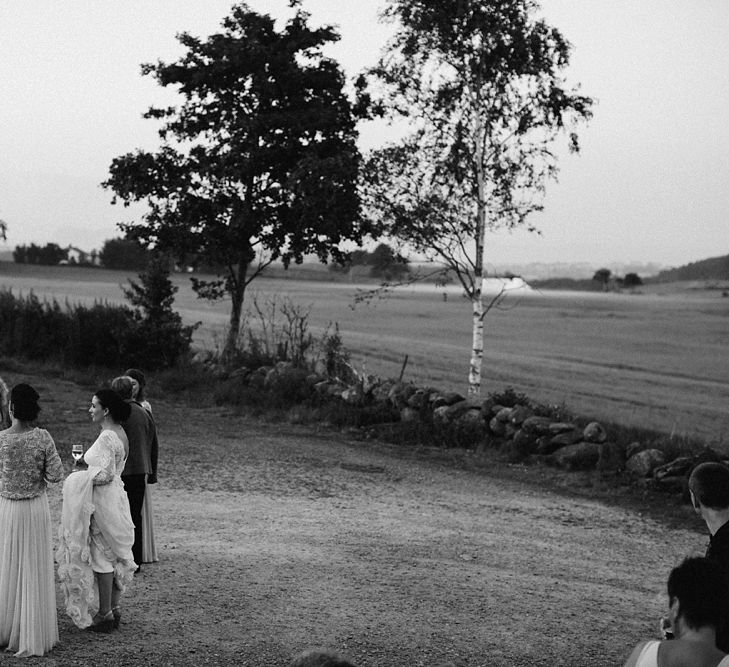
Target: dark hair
(24, 400)
(118, 408)
(137, 375)
(320, 659)
(123, 386)
(701, 587)
(710, 484)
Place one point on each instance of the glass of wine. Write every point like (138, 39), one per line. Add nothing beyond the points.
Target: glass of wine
(77, 451)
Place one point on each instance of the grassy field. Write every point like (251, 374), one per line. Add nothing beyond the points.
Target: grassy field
(656, 360)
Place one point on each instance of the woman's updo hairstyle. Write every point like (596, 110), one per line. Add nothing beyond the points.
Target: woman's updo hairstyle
(24, 401)
(118, 408)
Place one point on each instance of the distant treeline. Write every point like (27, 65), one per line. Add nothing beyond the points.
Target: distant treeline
(714, 268)
(116, 254)
(48, 255)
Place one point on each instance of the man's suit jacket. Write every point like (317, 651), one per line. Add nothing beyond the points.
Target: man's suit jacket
(142, 433)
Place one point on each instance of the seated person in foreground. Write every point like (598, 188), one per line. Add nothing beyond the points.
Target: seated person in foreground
(698, 598)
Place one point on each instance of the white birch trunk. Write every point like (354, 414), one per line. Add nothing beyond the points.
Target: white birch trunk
(474, 375)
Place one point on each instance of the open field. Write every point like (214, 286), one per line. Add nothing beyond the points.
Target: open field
(274, 538)
(657, 360)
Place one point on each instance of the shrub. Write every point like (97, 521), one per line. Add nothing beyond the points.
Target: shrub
(101, 334)
(155, 336)
(274, 329)
(78, 334)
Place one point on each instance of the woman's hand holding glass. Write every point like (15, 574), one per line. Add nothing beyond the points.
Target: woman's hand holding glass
(77, 451)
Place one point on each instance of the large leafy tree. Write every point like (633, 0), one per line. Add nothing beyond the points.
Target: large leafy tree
(481, 84)
(259, 161)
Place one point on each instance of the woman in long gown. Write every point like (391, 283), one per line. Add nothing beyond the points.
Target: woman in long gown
(149, 548)
(28, 461)
(95, 551)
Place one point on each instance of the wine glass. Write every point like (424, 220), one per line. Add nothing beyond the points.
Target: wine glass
(77, 451)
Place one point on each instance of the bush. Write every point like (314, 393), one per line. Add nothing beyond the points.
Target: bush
(155, 337)
(79, 335)
(273, 330)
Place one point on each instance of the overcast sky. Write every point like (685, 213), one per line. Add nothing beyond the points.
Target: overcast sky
(651, 184)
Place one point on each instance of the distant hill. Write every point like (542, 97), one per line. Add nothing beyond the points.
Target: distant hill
(714, 268)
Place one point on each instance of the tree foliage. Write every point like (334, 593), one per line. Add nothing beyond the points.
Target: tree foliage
(49, 255)
(157, 337)
(481, 82)
(386, 263)
(603, 276)
(258, 162)
(120, 253)
(383, 262)
(632, 280)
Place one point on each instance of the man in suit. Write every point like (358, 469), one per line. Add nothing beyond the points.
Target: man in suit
(141, 465)
(709, 489)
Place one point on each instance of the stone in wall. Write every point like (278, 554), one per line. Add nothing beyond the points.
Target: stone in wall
(504, 415)
(565, 438)
(594, 432)
(580, 456)
(519, 413)
(520, 447)
(561, 427)
(645, 462)
(418, 400)
(440, 414)
(536, 425)
(497, 427)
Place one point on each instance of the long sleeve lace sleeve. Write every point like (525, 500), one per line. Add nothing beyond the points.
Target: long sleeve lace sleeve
(104, 460)
(54, 471)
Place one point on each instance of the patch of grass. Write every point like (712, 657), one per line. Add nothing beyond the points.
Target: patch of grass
(187, 379)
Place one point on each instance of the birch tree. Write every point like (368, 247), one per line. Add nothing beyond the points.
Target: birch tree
(481, 84)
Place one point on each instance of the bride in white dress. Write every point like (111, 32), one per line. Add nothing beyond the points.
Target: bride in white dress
(97, 533)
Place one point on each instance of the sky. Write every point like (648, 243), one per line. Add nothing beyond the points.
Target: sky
(651, 184)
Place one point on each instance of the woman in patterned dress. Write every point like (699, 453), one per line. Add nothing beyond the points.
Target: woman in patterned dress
(28, 462)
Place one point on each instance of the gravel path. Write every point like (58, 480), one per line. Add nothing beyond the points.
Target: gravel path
(274, 538)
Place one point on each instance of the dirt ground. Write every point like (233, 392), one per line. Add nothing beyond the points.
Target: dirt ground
(274, 538)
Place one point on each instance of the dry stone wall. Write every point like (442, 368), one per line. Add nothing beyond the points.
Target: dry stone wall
(522, 431)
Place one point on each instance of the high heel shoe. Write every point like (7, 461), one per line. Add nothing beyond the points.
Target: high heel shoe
(117, 617)
(102, 623)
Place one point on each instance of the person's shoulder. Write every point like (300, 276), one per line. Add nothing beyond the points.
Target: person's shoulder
(137, 411)
(110, 436)
(44, 435)
(638, 652)
(684, 652)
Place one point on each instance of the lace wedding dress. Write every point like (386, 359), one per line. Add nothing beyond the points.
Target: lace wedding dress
(97, 532)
